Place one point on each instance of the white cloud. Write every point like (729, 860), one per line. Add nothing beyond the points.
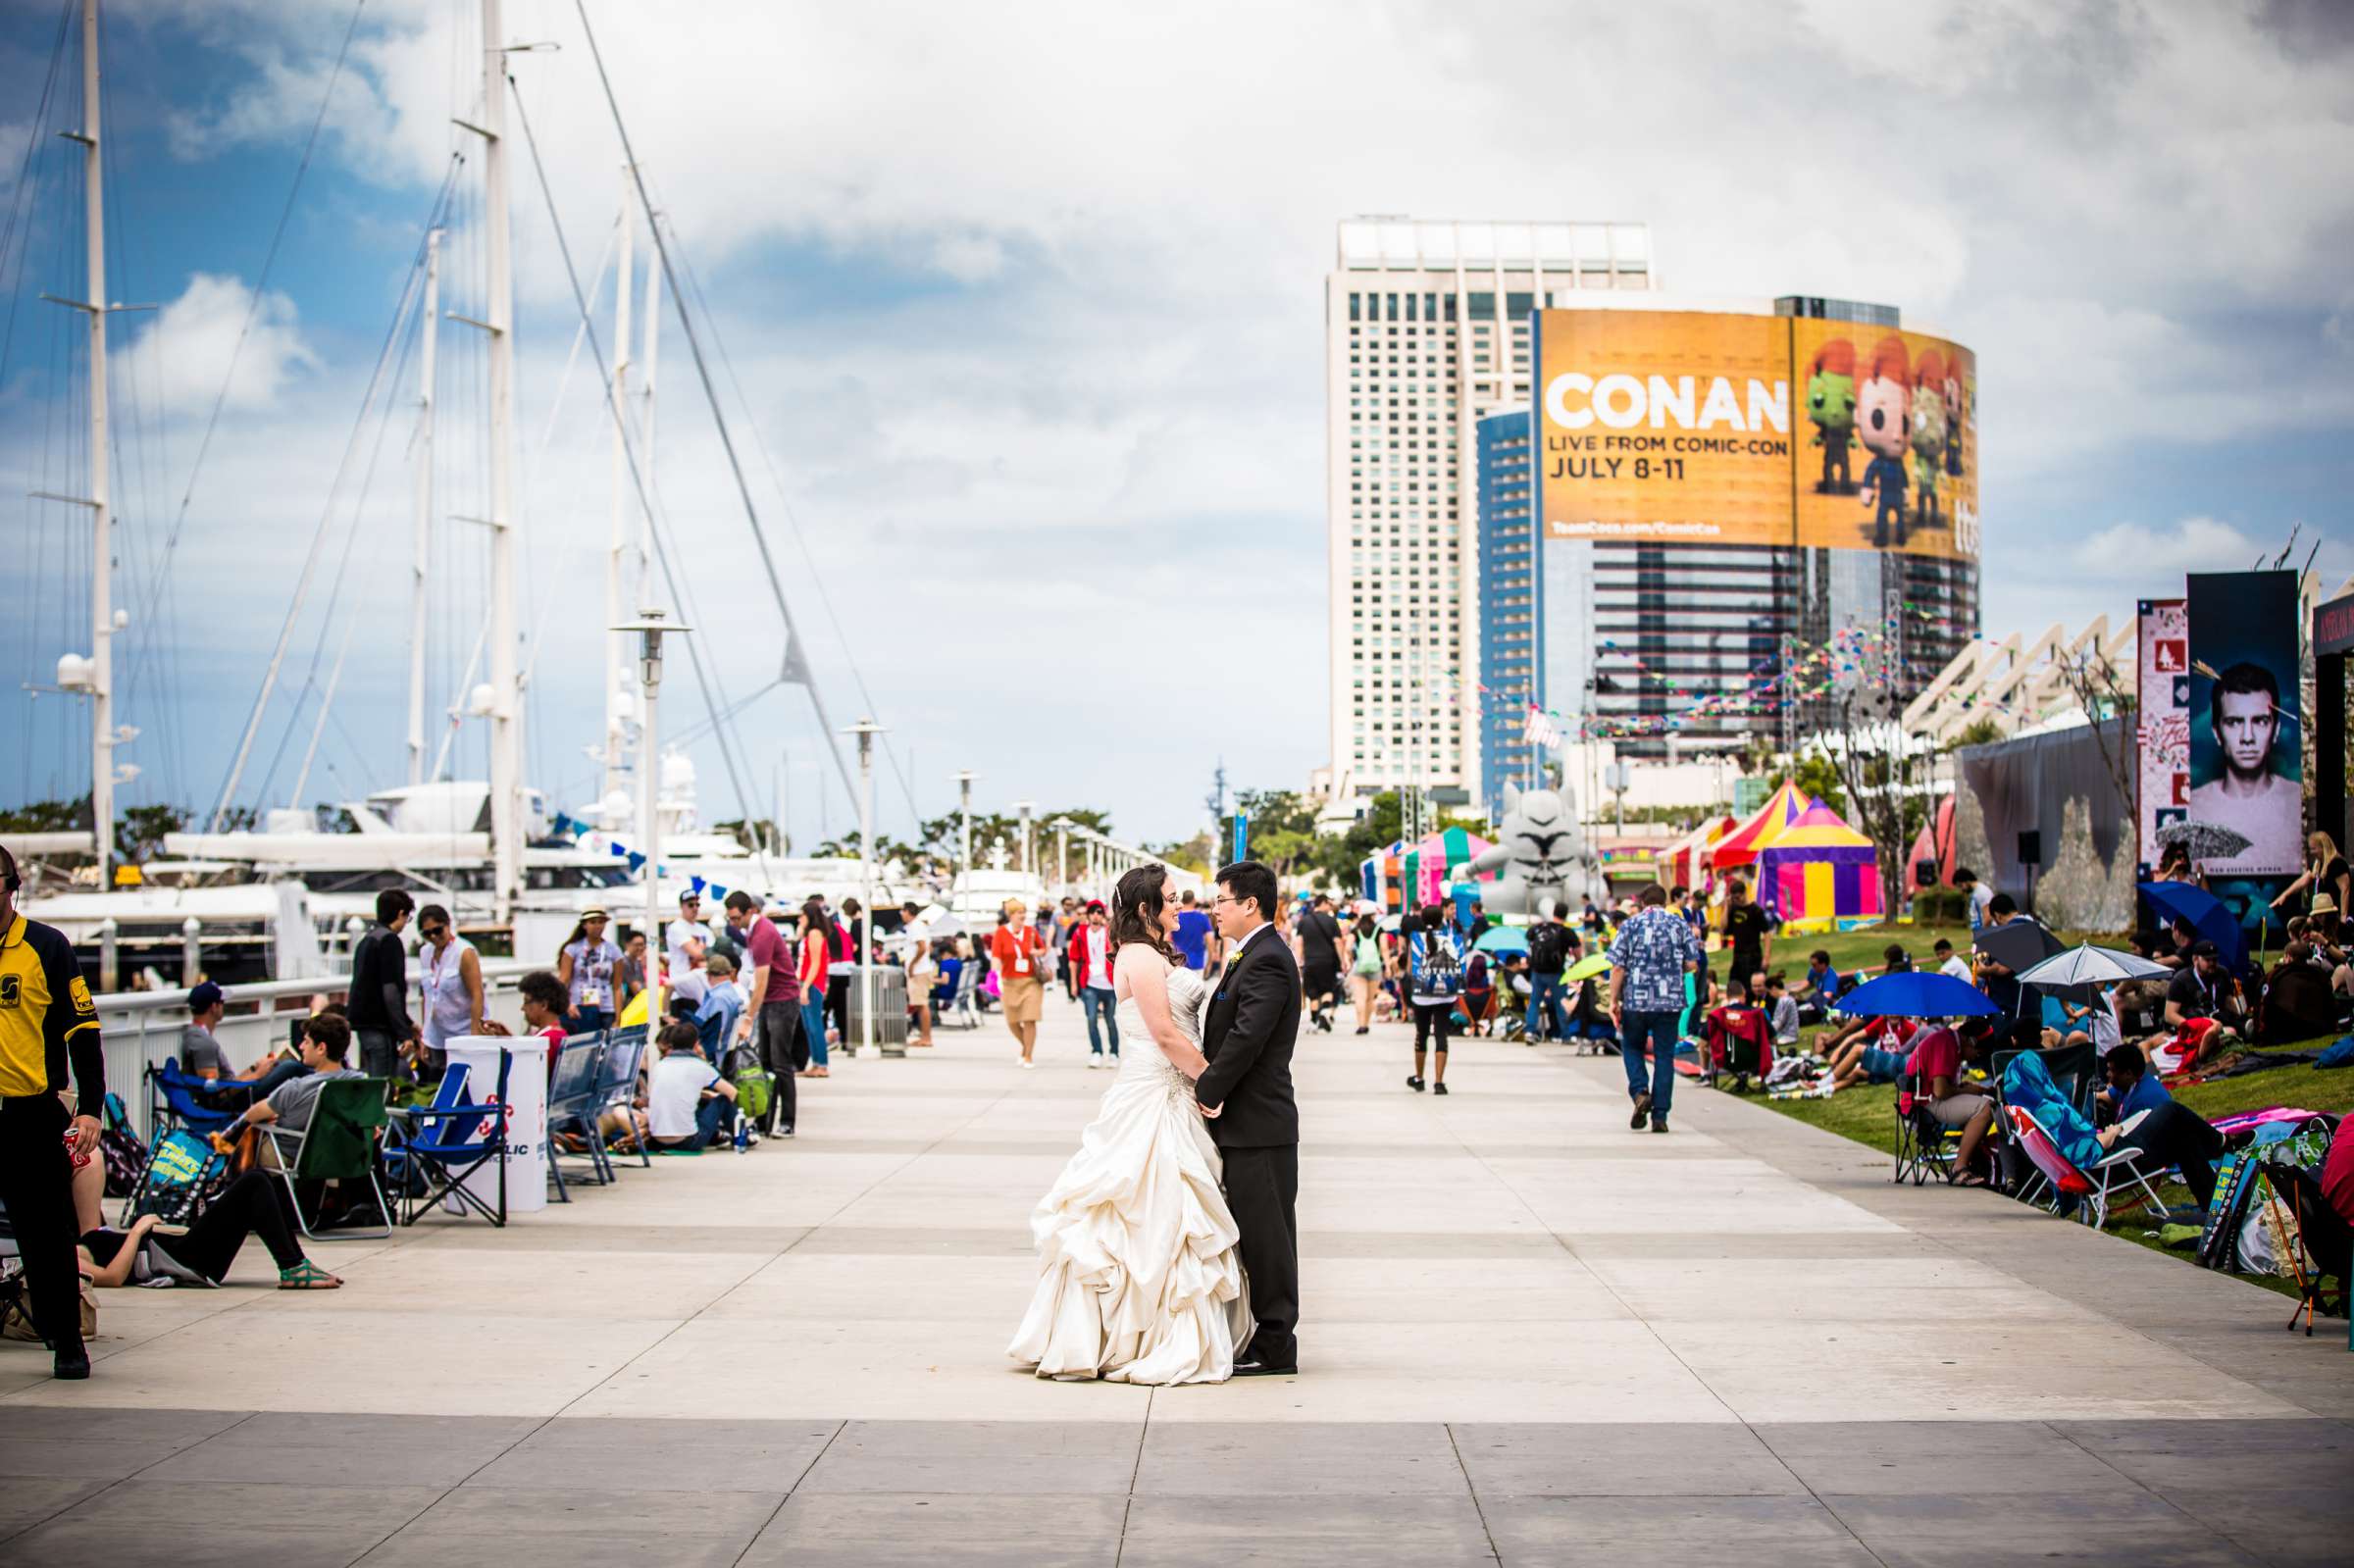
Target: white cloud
(2193, 544)
(183, 357)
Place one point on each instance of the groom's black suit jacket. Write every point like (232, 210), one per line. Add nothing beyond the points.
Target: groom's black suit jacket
(1253, 1023)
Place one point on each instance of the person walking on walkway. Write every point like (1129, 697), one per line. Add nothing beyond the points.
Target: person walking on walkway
(1018, 952)
(1435, 964)
(46, 1021)
(1549, 946)
(1322, 958)
(818, 945)
(772, 1015)
(378, 995)
(1649, 960)
(1094, 954)
(1364, 976)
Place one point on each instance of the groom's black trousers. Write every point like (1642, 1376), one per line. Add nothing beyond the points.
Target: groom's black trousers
(1263, 1189)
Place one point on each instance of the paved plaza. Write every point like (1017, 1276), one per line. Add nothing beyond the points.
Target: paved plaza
(1529, 1336)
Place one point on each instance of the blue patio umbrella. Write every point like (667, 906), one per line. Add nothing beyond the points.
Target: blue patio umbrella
(1504, 939)
(1916, 993)
(2208, 915)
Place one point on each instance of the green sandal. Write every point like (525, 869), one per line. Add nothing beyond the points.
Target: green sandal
(307, 1276)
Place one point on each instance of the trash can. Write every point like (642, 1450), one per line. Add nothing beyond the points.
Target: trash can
(890, 985)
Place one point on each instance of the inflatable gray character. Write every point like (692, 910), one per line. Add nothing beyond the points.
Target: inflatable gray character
(1541, 856)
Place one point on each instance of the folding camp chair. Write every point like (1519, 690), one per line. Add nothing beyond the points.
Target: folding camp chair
(2324, 1236)
(172, 1102)
(965, 1002)
(1923, 1143)
(617, 1089)
(453, 1137)
(336, 1144)
(572, 1107)
(2116, 1173)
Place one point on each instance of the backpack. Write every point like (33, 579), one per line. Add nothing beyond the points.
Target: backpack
(1548, 948)
(181, 1177)
(124, 1155)
(755, 1090)
(1438, 973)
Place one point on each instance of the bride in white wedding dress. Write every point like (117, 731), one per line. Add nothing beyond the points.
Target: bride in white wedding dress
(1139, 1280)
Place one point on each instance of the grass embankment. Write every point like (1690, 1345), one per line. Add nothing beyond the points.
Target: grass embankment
(1867, 1114)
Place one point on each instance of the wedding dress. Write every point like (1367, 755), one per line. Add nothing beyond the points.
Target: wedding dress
(1139, 1278)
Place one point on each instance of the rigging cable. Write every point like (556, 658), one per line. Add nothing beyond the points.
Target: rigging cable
(310, 565)
(719, 418)
(629, 452)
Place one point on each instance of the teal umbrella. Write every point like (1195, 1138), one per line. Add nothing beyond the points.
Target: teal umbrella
(1504, 939)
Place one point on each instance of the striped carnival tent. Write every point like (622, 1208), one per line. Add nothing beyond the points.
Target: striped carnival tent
(1429, 868)
(1740, 848)
(1380, 877)
(1819, 874)
(1682, 862)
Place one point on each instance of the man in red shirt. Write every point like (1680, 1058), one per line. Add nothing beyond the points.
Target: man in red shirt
(772, 1015)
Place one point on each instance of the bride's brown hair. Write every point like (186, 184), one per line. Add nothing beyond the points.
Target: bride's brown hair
(1136, 906)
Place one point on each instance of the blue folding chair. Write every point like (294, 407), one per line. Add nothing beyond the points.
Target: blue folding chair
(572, 1106)
(617, 1089)
(453, 1137)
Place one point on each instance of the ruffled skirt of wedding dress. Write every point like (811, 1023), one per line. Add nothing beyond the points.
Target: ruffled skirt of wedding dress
(1139, 1277)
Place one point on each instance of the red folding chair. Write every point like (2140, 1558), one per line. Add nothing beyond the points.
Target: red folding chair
(2117, 1174)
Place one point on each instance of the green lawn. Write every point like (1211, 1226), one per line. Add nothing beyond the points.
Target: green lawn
(1868, 1115)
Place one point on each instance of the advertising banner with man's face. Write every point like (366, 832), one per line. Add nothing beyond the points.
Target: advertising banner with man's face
(1715, 427)
(2246, 742)
(2163, 695)
(1664, 425)
(1888, 450)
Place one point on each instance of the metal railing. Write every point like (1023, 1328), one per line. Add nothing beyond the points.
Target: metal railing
(140, 1029)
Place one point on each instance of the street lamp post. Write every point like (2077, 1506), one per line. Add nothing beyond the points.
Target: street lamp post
(1062, 850)
(1029, 846)
(964, 830)
(650, 626)
(866, 729)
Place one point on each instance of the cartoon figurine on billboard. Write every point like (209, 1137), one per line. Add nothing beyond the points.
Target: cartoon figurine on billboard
(1953, 416)
(1881, 425)
(1928, 433)
(1831, 405)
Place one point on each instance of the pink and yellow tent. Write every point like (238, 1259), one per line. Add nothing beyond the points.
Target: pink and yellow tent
(1819, 874)
(1740, 848)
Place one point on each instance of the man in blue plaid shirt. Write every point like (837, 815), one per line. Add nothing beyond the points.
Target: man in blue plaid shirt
(1649, 960)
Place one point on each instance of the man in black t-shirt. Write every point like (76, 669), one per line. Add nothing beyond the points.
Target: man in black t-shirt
(2204, 988)
(1322, 961)
(1748, 933)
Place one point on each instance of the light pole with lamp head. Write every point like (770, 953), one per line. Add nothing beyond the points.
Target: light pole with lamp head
(1029, 844)
(1062, 850)
(964, 830)
(650, 626)
(866, 729)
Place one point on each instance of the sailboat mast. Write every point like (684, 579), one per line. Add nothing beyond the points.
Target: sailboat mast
(646, 438)
(617, 643)
(102, 610)
(506, 696)
(421, 553)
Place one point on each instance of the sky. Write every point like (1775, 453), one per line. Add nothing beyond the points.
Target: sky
(1015, 312)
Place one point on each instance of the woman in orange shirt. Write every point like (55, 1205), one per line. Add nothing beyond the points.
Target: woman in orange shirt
(1016, 950)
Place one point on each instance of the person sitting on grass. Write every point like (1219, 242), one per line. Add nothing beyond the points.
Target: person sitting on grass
(2297, 1003)
(2202, 1003)
(685, 1097)
(253, 1204)
(1874, 1054)
(1937, 1064)
(1819, 990)
(1782, 1008)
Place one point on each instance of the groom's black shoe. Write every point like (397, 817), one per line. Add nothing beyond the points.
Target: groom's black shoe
(1258, 1362)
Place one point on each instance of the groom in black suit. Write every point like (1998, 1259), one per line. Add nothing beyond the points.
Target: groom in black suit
(1254, 1021)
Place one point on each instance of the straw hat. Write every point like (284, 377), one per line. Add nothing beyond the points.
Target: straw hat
(2323, 904)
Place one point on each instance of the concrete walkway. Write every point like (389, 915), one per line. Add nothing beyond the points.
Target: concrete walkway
(1529, 1336)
